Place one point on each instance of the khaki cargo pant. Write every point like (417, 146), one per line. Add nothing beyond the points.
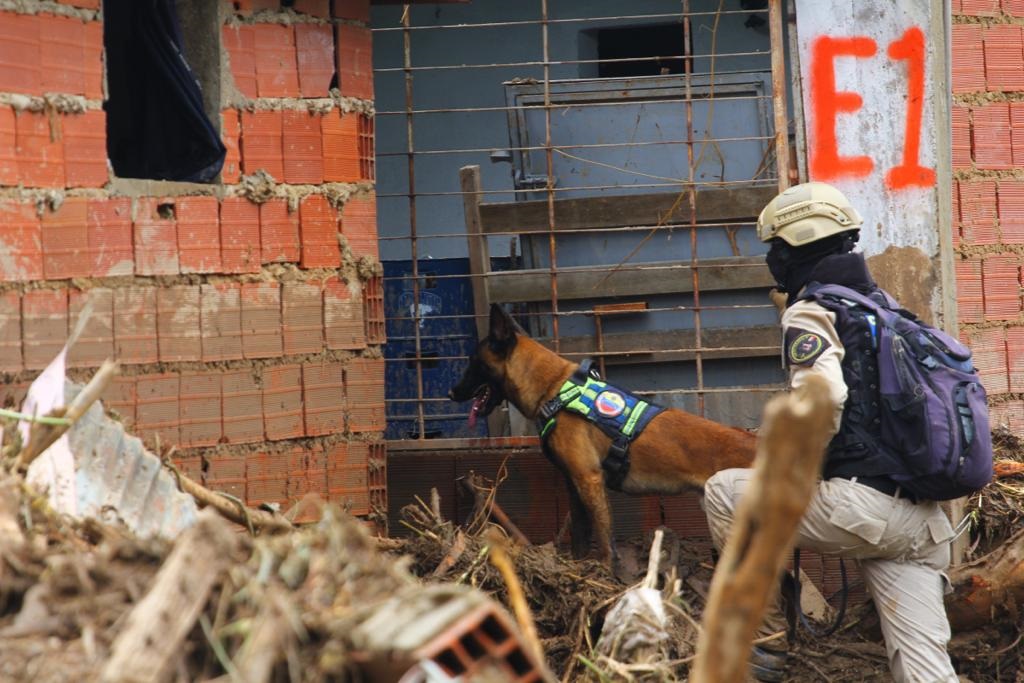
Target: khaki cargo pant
(902, 549)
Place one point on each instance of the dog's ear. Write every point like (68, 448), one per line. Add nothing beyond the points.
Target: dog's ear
(502, 334)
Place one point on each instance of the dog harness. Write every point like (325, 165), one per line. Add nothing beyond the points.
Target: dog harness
(619, 414)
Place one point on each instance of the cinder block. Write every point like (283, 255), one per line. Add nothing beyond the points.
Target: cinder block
(20, 54)
(277, 70)
(66, 241)
(62, 54)
(199, 249)
(303, 150)
(266, 478)
(242, 406)
(323, 395)
(261, 320)
(355, 61)
(364, 387)
(177, 319)
(240, 42)
(282, 402)
(262, 145)
(347, 483)
(373, 310)
(40, 149)
(314, 44)
(221, 321)
(315, 8)
(1003, 57)
(302, 314)
(231, 134)
(92, 61)
(357, 10)
(1011, 211)
(279, 232)
(226, 474)
(1001, 283)
(109, 222)
(978, 211)
(367, 158)
(341, 146)
(239, 235)
(343, 317)
(1015, 358)
(21, 239)
(992, 143)
(988, 349)
(135, 336)
(318, 224)
(961, 137)
(44, 325)
(156, 237)
(10, 332)
(157, 413)
(85, 148)
(8, 147)
(200, 399)
(980, 8)
(968, 58)
(96, 341)
(120, 397)
(359, 225)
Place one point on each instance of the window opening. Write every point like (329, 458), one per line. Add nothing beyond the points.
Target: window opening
(159, 123)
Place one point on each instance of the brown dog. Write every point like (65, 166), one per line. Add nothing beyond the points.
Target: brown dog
(677, 450)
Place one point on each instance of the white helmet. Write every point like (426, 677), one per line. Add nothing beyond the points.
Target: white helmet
(806, 213)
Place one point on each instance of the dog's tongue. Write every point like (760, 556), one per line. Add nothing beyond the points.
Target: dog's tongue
(477, 403)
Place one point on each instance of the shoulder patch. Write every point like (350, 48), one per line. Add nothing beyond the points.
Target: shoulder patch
(803, 347)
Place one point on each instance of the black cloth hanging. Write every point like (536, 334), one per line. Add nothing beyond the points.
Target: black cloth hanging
(156, 125)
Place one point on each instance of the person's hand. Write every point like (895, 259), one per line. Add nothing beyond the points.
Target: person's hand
(778, 298)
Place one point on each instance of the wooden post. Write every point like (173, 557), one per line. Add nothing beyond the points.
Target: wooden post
(479, 267)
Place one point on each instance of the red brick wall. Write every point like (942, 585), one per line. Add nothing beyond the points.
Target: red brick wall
(248, 338)
(988, 195)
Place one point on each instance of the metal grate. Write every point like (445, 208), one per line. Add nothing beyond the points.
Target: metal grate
(597, 173)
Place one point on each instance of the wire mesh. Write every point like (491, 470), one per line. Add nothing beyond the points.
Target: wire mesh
(621, 160)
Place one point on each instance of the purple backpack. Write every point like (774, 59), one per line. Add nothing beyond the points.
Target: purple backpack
(934, 413)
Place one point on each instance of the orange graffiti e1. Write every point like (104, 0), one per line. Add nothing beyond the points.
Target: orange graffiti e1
(827, 103)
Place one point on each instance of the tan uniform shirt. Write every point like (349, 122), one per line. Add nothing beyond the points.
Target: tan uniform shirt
(810, 317)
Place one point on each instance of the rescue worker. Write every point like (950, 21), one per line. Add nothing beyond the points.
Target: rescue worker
(902, 544)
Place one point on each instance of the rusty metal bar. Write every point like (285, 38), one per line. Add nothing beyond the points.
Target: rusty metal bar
(658, 143)
(692, 198)
(779, 92)
(572, 20)
(410, 146)
(576, 105)
(549, 156)
(560, 62)
(556, 190)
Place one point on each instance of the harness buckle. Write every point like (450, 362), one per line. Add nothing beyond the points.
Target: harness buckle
(550, 407)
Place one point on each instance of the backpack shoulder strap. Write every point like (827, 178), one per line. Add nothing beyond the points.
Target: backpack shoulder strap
(817, 291)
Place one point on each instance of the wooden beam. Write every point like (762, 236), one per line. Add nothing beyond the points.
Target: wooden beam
(588, 282)
(479, 257)
(675, 345)
(596, 213)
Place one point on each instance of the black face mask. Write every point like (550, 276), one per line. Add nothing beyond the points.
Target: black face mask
(792, 266)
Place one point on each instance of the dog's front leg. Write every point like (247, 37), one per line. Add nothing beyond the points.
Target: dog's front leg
(582, 529)
(590, 486)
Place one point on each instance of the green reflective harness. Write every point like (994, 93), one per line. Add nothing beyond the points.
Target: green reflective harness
(619, 414)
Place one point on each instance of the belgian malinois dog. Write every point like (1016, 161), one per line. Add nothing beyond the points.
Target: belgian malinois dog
(677, 450)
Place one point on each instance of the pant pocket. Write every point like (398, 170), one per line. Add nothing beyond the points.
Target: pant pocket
(859, 522)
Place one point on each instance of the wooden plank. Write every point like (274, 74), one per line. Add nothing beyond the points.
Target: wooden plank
(596, 213)
(502, 444)
(479, 258)
(589, 282)
(631, 348)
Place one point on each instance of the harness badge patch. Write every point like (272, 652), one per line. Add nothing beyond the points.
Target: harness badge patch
(803, 347)
(610, 404)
